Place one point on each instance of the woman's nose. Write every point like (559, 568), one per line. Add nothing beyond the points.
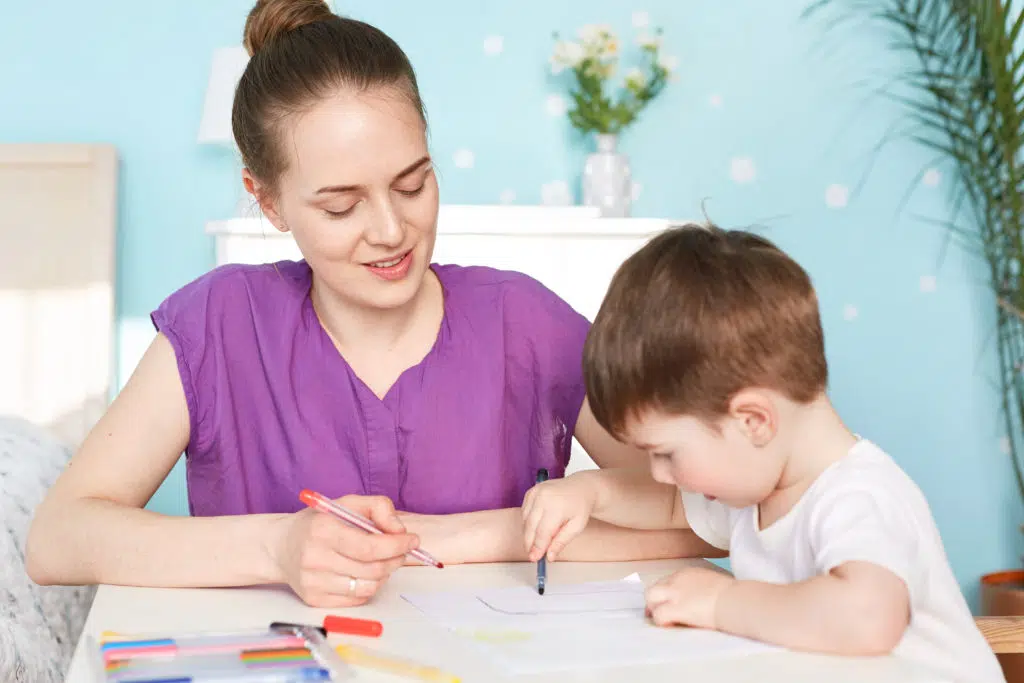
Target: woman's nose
(386, 228)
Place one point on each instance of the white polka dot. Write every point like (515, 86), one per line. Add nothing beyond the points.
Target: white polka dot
(931, 177)
(928, 283)
(464, 158)
(635, 193)
(1004, 445)
(556, 193)
(742, 170)
(836, 196)
(850, 312)
(507, 196)
(715, 100)
(641, 19)
(555, 105)
(494, 45)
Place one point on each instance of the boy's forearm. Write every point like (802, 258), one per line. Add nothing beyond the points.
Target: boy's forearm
(497, 536)
(94, 541)
(631, 498)
(819, 615)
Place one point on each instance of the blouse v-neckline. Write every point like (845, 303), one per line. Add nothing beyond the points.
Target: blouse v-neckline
(325, 339)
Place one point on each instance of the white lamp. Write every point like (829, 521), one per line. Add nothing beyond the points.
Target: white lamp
(215, 128)
(225, 71)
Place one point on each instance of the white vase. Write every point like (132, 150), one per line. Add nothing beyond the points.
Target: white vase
(607, 179)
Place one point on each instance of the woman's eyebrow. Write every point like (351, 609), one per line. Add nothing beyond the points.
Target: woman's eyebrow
(401, 174)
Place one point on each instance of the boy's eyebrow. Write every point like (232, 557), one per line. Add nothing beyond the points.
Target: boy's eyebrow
(401, 174)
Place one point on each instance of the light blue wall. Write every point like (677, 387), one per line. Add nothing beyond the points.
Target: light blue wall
(913, 369)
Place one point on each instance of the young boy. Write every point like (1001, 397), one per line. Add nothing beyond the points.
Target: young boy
(708, 354)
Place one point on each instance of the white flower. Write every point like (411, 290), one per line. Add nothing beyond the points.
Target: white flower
(850, 312)
(636, 79)
(641, 19)
(648, 41)
(928, 283)
(931, 177)
(668, 63)
(594, 33)
(507, 196)
(567, 55)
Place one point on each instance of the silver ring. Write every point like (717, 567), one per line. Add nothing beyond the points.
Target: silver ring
(352, 583)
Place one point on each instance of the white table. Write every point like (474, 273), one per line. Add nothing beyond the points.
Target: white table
(407, 632)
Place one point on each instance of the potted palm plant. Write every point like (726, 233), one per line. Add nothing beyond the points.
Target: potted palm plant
(963, 90)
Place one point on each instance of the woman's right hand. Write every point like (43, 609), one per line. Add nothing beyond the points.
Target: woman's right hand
(330, 564)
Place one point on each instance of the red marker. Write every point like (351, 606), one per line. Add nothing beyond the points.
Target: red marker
(322, 503)
(353, 627)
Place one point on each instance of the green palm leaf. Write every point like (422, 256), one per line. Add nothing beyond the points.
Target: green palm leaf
(964, 96)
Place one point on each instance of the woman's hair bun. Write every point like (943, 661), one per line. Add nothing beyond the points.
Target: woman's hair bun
(271, 19)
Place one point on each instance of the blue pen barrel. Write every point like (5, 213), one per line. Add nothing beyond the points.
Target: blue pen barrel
(542, 563)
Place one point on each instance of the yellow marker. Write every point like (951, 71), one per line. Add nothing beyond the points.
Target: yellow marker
(359, 656)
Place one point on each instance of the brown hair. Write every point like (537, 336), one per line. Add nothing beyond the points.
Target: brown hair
(695, 316)
(300, 53)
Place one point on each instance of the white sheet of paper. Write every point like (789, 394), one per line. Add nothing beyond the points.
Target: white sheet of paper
(579, 598)
(556, 637)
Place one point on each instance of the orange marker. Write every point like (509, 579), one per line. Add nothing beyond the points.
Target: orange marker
(353, 627)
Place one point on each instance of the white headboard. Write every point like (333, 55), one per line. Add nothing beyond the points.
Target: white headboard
(570, 249)
(57, 255)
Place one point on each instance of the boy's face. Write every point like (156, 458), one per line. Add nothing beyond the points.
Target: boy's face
(735, 463)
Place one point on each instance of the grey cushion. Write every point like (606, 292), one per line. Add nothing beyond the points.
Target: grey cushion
(39, 625)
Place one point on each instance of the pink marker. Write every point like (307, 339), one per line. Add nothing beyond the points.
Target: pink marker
(322, 503)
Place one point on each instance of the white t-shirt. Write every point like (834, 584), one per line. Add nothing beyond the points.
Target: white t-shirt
(862, 508)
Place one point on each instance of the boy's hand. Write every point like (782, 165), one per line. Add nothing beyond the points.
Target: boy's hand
(555, 512)
(688, 597)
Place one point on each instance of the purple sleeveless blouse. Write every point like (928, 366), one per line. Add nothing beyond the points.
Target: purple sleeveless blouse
(274, 408)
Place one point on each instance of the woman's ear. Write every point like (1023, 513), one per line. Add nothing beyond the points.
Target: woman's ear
(756, 414)
(263, 198)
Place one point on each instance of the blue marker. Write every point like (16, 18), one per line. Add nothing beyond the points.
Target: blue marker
(542, 563)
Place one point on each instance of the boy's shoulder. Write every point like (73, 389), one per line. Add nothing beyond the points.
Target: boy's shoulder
(865, 467)
(868, 479)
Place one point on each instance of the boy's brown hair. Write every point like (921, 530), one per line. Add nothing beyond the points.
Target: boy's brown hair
(695, 316)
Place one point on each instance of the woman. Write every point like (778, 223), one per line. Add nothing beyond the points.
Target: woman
(361, 371)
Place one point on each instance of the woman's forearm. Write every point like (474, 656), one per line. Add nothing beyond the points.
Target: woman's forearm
(91, 541)
(497, 536)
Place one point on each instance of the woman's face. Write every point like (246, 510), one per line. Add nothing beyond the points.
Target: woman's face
(360, 196)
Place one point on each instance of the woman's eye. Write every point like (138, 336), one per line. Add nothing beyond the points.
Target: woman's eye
(339, 214)
(413, 193)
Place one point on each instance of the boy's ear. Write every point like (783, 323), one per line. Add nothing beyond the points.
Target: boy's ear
(756, 415)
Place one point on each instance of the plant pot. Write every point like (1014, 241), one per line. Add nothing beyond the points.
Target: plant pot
(607, 179)
(1002, 595)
